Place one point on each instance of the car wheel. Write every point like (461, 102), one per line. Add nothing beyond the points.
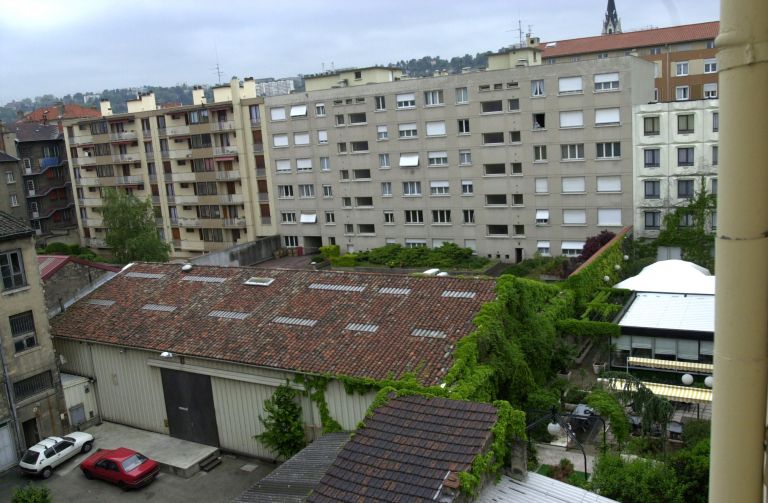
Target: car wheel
(46, 473)
(122, 486)
(87, 474)
(86, 447)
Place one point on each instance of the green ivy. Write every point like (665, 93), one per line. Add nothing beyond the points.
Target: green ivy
(595, 330)
(315, 387)
(611, 410)
(283, 427)
(696, 241)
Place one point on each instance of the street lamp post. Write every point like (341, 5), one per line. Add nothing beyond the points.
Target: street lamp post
(554, 427)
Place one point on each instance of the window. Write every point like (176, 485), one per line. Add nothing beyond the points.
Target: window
(497, 230)
(361, 174)
(306, 191)
(389, 217)
(488, 107)
(439, 158)
(710, 66)
(654, 51)
(573, 118)
(652, 219)
(414, 217)
(496, 169)
(652, 189)
(681, 68)
(516, 168)
(537, 88)
(23, 331)
(13, 200)
(681, 93)
(412, 188)
(686, 219)
(652, 157)
(513, 105)
(685, 123)
(514, 137)
(465, 157)
(651, 126)
(320, 109)
(609, 217)
(415, 243)
(327, 191)
(539, 153)
(607, 117)
(383, 160)
(468, 216)
(276, 114)
(280, 140)
(572, 152)
(518, 230)
(715, 122)
(710, 90)
(301, 138)
(569, 85)
(571, 248)
(9, 178)
(359, 146)
(406, 100)
(462, 95)
(439, 188)
(573, 184)
(436, 128)
(364, 202)
(346, 202)
(441, 216)
(609, 183)
(542, 248)
(330, 217)
(285, 191)
(685, 156)
(407, 130)
(495, 199)
(325, 164)
(463, 126)
(12, 270)
(349, 228)
(288, 217)
(609, 150)
(432, 98)
(714, 187)
(574, 217)
(655, 94)
(409, 160)
(380, 103)
(541, 185)
(715, 155)
(606, 82)
(339, 119)
(358, 118)
(291, 241)
(382, 133)
(542, 217)
(322, 137)
(298, 111)
(539, 121)
(467, 188)
(493, 138)
(685, 189)
(386, 189)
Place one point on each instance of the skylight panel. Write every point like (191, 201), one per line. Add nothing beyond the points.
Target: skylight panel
(234, 315)
(287, 320)
(144, 275)
(361, 327)
(159, 307)
(395, 291)
(100, 302)
(432, 334)
(337, 288)
(259, 281)
(204, 279)
(456, 294)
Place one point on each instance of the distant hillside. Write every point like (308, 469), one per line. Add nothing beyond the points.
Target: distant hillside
(428, 65)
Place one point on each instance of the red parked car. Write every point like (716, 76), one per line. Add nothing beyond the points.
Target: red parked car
(124, 467)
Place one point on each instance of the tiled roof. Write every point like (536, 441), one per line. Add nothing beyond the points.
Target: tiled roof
(50, 264)
(406, 451)
(5, 157)
(631, 39)
(71, 111)
(32, 131)
(293, 480)
(11, 228)
(255, 337)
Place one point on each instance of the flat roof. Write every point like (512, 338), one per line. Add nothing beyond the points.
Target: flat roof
(671, 311)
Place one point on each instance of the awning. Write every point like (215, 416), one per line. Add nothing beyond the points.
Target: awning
(702, 368)
(308, 218)
(668, 391)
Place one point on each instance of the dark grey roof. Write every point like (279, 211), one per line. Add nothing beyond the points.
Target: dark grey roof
(5, 157)
(292, 481)
(33, 131)
(11, 228)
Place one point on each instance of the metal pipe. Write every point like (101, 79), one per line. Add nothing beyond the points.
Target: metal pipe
(741, 263)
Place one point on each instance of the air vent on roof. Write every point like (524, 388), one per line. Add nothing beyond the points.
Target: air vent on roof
(204, 279)
(259, 281)
(286, 320)
(423, 332)
(338, 288)
(159, 307)
(186, 267)
(229, 314)
(100, 302)
(459, 295)
(395, 291)
(551, 44)
(361, 327)
(144, 275)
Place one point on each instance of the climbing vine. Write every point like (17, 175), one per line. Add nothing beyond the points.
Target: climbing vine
(315, 387)
(688, 228)
(283, 428)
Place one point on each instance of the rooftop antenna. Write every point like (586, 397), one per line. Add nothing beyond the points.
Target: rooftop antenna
(218, 67)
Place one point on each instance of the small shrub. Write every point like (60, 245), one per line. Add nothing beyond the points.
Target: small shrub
(31, 494)
(696, 431)
(346, 260)
(330, 251)
(563, 470)
(283, 429)
(57, 249)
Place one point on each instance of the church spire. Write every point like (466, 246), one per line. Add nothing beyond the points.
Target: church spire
(611, 23)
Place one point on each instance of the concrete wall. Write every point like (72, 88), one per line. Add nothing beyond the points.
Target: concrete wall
(67, 281)
(246, 254)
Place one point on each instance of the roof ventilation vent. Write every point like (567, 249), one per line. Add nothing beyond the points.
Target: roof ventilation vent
(186, 267)
(259, 281)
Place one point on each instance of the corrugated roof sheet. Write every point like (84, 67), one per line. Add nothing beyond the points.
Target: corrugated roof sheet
(537, 489)
(671, 311)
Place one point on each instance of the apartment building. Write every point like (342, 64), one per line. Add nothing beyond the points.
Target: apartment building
(36, 401)
(203, 166)
(675, 153)
(509, 162)
(12, 199)
(685, 68)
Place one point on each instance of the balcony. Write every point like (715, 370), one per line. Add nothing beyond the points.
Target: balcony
(90, 202)
(175, 131)
(258, 148)
(263, 197)
(174, 222)
(223, 126)
(147, 133)
(81, 140)
(153, 178)
(176, 244)
(84, 161)
(186, 199)
(255, 122)
(234, 222)
(159, 221)
(227, 150)
(126, 158)
(87, 182)
(231, 199)
(181, 177)
(266, 220)
(129, 180)
(190, 222)
(123, 136)
(227, 175)
(156, 200)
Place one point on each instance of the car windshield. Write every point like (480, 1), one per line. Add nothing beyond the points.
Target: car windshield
(133, 462)
(30, 457)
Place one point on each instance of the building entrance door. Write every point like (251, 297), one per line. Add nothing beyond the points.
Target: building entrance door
(189, 406)
(31, 435)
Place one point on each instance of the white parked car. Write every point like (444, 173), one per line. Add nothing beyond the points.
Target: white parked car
(44, 456)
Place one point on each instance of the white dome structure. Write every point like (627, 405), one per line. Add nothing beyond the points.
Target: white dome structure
(671, 276)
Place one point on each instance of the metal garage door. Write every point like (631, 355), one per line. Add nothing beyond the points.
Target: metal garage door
(7, 447)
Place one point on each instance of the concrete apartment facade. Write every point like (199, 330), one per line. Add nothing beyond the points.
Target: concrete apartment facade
(508, 162)
(36, 400)
(12, 200)
(675, 152)
(203, 166)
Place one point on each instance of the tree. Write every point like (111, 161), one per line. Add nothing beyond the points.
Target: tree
(31, 494)
(594, 243)
(636, 481)
(283, 430)
(688, 228)
(132, 233)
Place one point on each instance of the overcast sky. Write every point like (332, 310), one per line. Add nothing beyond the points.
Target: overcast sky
(64, 46)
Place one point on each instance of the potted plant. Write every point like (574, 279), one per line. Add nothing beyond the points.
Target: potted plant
(598, 366)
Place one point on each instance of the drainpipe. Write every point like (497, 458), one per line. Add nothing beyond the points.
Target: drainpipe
(11, 400)
(741, 264)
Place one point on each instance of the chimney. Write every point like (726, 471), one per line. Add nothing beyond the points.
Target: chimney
(45, 117)
(106, 107)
